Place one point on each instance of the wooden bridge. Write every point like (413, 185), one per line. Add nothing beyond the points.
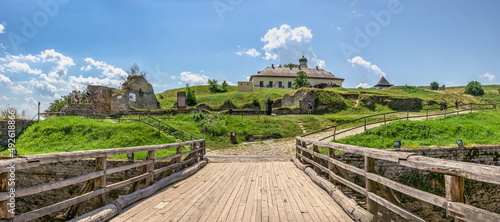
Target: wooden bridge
(186, 187)
(245, 191)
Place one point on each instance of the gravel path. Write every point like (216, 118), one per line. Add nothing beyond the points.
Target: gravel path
(277, 149)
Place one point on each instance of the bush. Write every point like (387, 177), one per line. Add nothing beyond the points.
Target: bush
(434, 85)
(190, 96)
(474, 88)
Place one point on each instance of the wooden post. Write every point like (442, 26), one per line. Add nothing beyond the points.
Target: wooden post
(101, 163)
(334, 132)
(427, 115)
(179, 159)
(407, 115)
(4, 187)
(331, 166)
(454, 187)
(365, 123)
(316, 159)
(150, 168)
(297, 150)
(384, 120)
(371, 186)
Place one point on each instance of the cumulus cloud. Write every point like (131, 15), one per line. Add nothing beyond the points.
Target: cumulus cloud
(194, 79)
(4, 98)
(367, 65)
(251, 52)
(488, 76)
(288, 44)
(17, 67)
(108, 71)
(43, 88)
(363, 85)
(4, 80)
(2, 27)
(78, 82)
(62, 62)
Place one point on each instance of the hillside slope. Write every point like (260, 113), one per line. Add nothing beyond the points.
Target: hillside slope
(70, 133)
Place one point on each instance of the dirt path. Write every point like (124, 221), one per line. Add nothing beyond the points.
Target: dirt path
(281, 148)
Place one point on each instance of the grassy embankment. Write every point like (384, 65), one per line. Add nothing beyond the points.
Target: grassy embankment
(472, 128)
(64, 134)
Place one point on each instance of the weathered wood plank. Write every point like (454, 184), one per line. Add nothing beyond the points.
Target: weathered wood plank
(395, 208)
(479, 172)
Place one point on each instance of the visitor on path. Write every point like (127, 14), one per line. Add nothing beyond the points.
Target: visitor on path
(456, 105)
(309, 107)
(445, 107)
(80, 97)
(88, 96)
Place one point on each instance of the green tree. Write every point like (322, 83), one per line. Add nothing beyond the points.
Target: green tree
(474, 88)
(190, 96)
(58, 104)
(224, 86)
(213, 86)
(434, 85)
(301, 80)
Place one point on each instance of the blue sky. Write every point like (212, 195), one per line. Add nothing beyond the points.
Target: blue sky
(50, 47)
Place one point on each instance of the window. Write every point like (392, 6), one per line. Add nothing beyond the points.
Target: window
(289, 84)
(261, 84)
(280, 84)
(270, 84)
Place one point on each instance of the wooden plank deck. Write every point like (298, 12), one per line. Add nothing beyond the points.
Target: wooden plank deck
(240, 191)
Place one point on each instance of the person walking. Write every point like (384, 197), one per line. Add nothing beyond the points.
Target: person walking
(80, 97)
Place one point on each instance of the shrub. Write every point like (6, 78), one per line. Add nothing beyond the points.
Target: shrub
(474, 88)
(434, 85)
(190, 96)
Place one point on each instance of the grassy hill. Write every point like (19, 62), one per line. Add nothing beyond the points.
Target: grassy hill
(63, 134)
(429, 97)
(472, 128)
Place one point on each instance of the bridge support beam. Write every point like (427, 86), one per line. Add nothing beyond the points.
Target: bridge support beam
(371, 186)
(455, 187)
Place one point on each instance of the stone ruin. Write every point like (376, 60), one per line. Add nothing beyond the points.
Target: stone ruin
(135, 93)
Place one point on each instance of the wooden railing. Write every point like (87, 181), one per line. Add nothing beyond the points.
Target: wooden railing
(308, 152)
(96, 185)
(365, 121)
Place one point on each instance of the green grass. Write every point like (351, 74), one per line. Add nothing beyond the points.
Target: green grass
(65, 134)
(472, 128)
(216, 100)
(219, 126)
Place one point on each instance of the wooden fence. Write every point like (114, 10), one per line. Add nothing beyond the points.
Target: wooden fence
(365, 121)
(379, 190)
(96, 185)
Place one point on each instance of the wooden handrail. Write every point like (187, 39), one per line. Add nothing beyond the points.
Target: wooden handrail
(455, 172)
(182, 161)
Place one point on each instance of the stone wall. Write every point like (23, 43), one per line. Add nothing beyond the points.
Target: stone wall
(145, 96)
(64, 170)
(100, 97)
(20, 126)
(79, 110)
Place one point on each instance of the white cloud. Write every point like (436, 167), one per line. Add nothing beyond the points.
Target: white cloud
(251, 52)
(62, 62)
(80, 82)
(30, 100)
(43, 88)
(17, 67)
(3, 47)
(4, 80)
(108, 71)
(2, 27)
(367, 65)
(363, 85)
(4, 98)
(247, 78)
(21, 57)
(288, 44)
(194, 79)
(338, 28)
(173, 77)
(488, 76)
